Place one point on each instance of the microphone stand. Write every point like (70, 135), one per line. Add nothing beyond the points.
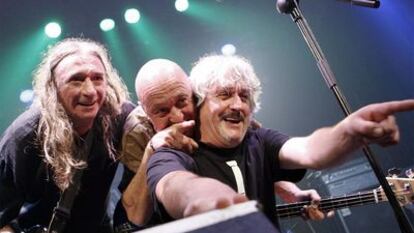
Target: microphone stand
(292, 7)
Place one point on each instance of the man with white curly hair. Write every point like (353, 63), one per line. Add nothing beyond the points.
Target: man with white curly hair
(80, 101)
(235, 163)
(164, 118)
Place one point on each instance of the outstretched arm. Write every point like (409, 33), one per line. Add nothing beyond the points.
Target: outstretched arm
(184, 194)
(326, 147)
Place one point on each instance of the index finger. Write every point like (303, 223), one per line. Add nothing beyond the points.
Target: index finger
(185, 126)
(391, 107)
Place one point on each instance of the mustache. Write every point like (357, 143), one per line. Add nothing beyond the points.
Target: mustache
(235, 115)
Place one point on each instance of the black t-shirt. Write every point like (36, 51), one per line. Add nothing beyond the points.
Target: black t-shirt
(211, 162)
(256, 157)
(25, 180)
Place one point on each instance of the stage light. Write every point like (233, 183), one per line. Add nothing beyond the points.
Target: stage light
(26, 96)
(132, 15)
(53, 30)
(181, 5)
(228, 49)
(107, 25)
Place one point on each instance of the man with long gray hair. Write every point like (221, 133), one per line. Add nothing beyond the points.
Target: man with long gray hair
(79, 108)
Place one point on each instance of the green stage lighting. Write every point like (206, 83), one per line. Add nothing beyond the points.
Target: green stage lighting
(53, 30)
(26, 96)
(181, 5)
(107, 25)
(132, 15)
(228, 50)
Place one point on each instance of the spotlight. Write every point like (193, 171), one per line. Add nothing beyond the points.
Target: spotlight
(132, 15)
(181, 5)
(228, 49)
(26, 96)
(107, 25)
(53, 30)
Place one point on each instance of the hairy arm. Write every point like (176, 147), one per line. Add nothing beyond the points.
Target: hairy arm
(135, 198)
(184, 194)
(330, 146)
(134, 155)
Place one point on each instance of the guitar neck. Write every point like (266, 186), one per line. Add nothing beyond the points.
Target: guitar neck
(361, 198)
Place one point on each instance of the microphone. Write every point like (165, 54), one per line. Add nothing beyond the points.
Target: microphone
(285, 6)
(366, 3)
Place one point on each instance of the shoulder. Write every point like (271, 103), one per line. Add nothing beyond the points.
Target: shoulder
(21, 133)
(137, 132)
(267, 141)
(118, 121)
(266, 134)
(138, 122)
(24, 124)
(121, 116)
(165, 156)
(19, 153)
(127, 107)
(170, 159)
(165, 161)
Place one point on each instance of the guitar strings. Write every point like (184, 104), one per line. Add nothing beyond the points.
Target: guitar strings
(295, 209)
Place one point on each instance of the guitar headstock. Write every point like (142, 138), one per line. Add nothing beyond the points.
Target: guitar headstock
(403, 189)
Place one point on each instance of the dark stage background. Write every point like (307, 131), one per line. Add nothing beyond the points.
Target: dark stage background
(371, 52)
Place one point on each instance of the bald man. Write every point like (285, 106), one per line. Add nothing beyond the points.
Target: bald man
(165, 118)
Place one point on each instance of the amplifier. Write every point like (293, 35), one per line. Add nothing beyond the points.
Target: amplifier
(353, 177)
(346, 172)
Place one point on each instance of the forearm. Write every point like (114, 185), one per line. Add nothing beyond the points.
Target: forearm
(338, 145)
(136, 199)
(324, 148)
(286, 190)
(290, 192)
(184, 194)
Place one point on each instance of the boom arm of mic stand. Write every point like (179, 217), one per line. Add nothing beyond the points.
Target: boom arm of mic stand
(329, 77)
(366, 3)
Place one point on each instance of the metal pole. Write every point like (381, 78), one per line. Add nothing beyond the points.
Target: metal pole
(292, 7)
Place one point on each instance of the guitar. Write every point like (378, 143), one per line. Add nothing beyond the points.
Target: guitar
(403, 189)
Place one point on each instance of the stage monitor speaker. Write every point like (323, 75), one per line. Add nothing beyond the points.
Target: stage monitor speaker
(240, 218)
